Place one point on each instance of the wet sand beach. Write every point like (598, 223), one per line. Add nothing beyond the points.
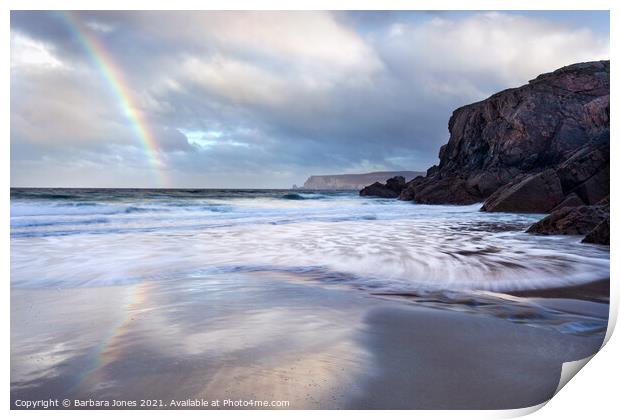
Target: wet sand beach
(313, 299)
(271, 336)
(432, 359)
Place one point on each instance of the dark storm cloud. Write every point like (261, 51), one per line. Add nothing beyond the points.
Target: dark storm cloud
(264, 99)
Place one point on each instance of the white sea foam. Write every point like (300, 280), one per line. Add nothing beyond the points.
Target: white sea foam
(338, 238)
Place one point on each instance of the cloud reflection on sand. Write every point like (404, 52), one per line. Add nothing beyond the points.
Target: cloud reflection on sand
(56, 332)
(200, 338)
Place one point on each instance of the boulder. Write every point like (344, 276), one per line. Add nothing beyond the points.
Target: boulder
(485, 183)
(378, 190)
(571, 220)
(598, 235)
(396, 184)
(391, 189)
(595, 188)
(447, 191)
(586, 172)
(535, 194)
(571, 200)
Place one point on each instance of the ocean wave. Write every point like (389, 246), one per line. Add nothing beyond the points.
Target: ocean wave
(368, 244)
(292, 196)
(303, 196)
(136, 209)
(352, 253)
(74, 209)
(26, 223)
(43, 196)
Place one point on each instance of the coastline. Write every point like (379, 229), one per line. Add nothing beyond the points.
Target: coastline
(325, 301)
(273, 336)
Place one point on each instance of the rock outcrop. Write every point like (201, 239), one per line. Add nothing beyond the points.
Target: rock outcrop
(571, 200)
(589, 220)
(391, 189)
(503, 148)
(537, 193)
(599, 235)
(539, 148)
(571, 220)
(582, 179)
(353, 181)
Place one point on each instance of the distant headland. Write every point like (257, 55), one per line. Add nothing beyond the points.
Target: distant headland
(354, 181)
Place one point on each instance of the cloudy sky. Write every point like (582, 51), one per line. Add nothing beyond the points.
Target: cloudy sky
(262, 99)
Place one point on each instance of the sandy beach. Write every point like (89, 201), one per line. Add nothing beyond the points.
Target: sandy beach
(272, 299)
(271, 336)
(427, 359)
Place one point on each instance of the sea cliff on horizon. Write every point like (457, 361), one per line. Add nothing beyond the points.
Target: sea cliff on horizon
(353, 181)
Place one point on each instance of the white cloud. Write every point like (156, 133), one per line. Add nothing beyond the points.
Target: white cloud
(241, 82)
(69, 107)
(463, 56)
(314, 37)
(27, 52)
(268, 58)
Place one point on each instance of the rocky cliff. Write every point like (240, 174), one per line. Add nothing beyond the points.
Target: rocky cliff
(503, 147)
(353, 181)
(539, 148)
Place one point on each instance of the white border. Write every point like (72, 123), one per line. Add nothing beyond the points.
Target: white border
(593, 394)
(310, 5)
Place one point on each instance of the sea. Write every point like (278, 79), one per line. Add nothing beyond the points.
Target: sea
(156, 294)
(96, 237)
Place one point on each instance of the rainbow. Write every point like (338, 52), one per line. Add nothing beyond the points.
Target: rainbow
(111, 347)
(114, 78)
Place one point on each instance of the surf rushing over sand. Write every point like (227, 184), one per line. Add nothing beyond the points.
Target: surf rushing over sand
(63, 238)
(301, 296)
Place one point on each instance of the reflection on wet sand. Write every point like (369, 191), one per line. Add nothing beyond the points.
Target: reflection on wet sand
(241, 338)
(442, 359)
(56, 335)
(270, 336)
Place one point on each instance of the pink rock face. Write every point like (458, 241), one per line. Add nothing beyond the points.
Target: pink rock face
(596, 113)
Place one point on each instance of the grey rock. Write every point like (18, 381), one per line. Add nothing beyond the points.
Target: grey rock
(587, 171)
(599, 235)
(448, 191)
(391, 189)
(571, 200)
(535, 194)
(571, 220)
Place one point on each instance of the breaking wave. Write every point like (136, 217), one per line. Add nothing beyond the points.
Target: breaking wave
(341, 239)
